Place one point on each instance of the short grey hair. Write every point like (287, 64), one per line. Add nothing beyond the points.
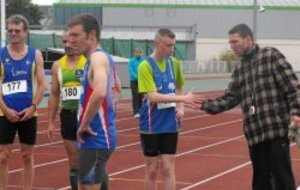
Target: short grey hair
(17, 19)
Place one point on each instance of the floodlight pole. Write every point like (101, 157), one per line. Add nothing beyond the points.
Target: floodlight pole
(254, 20)
(3, 23)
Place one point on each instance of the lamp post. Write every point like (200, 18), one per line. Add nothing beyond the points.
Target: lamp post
(254, 20)
(3, 23)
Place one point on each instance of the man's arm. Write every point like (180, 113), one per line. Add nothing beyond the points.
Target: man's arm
(98, 78)
(41, 81)
(41, 86)
(118, 88)
(179, 106)
(53, 101)
(287, 80)
(289, 84)
(229, 100)
(147, 86)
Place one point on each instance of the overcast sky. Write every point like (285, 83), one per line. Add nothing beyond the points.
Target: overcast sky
(44, 2)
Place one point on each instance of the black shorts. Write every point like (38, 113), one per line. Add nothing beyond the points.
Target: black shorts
(26, 131)
(68, 121)
(92, 165)
(156, 144)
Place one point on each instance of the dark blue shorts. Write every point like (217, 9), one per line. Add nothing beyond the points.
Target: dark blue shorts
(26, 131)
(157, 144)
(68, 120)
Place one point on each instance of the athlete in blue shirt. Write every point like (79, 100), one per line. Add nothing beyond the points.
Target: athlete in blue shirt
(22, 89)
(161, 80)
(97, 130)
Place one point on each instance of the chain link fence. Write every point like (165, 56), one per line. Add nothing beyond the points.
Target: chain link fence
(207, 67)
(194, 66)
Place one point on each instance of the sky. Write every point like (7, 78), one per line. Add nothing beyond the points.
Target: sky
(44, 2)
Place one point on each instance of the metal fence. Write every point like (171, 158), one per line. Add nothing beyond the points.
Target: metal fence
(194, 67)
(191, 67)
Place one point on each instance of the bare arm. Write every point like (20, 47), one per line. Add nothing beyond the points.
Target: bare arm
(118, 88)
(41, 86)
(53, 100)
(40, 76)
(179, 106)
(156, 97)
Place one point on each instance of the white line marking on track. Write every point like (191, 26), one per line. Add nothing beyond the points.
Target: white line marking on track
(216, 176)
(135, 143)
(40, 165)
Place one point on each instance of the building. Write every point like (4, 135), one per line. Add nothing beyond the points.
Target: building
(203, 24)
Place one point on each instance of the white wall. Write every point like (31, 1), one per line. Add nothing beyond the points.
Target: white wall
(210, 48)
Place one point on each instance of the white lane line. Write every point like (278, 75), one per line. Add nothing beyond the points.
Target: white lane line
(40, 145)
(177, 155)
(135, 143)
(221, 174)
(216, 176)
(34, 188)
(40, 165)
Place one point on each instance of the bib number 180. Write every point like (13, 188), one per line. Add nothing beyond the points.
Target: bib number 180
(71, 93)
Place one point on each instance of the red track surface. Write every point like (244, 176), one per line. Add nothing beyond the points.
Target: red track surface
(212, 154)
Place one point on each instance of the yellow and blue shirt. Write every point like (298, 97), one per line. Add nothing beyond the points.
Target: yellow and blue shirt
(162, 77)
(70, 83)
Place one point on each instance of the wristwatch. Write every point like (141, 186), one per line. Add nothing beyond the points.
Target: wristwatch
(34, 106)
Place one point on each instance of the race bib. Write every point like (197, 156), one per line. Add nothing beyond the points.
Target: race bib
(166, 105)
(14, 87)
(71, 93)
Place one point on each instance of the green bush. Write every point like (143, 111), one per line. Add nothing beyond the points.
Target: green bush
(230, 58)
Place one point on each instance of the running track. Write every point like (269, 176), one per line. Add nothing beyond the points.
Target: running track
(212, 154)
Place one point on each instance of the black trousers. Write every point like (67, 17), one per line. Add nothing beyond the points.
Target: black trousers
(272, 168)
(136, 97)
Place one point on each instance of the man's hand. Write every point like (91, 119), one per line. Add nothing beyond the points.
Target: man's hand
(117, 93)
(11, 115)
(180, 112)
(84, 131)
(27, 113)
(194, 101)
(50, 132)
(295, 121)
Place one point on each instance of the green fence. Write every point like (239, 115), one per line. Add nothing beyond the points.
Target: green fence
(118, 47)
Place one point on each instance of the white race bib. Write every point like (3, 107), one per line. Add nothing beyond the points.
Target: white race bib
(71, 93)
(14, 87)
(166, 105)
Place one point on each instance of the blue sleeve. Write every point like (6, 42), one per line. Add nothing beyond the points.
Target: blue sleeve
(1, 50)
(132, 70)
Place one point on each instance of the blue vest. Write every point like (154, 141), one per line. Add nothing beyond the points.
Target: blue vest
(154, 120)
(104, 120)
(16, 71)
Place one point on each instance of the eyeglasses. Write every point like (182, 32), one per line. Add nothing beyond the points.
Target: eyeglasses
(14, 30)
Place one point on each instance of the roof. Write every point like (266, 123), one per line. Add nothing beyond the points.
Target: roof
(183, 3)
(128, 33)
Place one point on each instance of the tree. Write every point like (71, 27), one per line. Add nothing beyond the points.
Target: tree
(25, 8)
(230, 58)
